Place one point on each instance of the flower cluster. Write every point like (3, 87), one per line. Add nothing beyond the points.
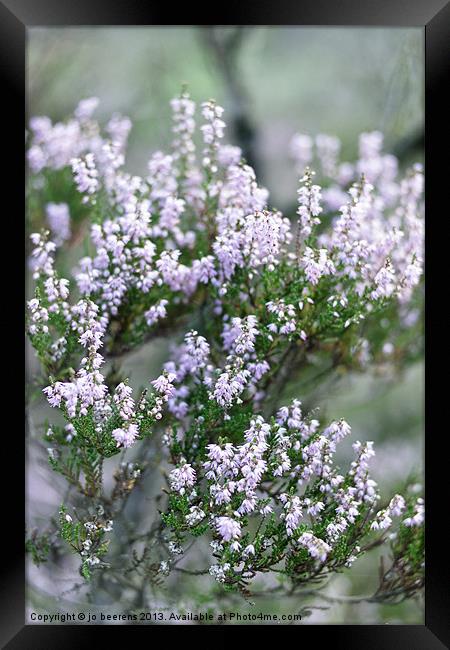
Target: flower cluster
(167, 237)
(282, 476)
(384, 517)
(253, 298)
(53, 146)
(418, 517)
(90, 407)
(378, 237)
(309, 207)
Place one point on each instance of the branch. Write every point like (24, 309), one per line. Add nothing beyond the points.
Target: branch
(225, 45)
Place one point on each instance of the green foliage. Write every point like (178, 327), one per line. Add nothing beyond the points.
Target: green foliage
(72, 532)
(86, 539)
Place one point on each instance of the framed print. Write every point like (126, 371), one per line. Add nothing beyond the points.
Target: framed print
(225, 379)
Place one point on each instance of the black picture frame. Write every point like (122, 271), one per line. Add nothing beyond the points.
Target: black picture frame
(434, 17)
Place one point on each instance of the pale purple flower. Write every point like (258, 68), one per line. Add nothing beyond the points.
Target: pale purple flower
(309, 207)
(228, 528)
(164, 384)
(316, 547)
(85, 174)
(126, 436)
(419, 515)
(182, 478)
(316, 264)
(58, 218)
(156, 312)
(124, 402)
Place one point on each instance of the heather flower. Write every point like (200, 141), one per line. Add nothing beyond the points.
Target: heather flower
(85, 174)
(58, 218)
(230, 385)
(42, 255)
(316, 547)
(214, 128)
(183, 111)
(286, 317)
(156, 312)
(240, 336)
(309, 197)
(182, 478)
(293, 513)
(384, 517)
(118, 129)
(385, 281)
(316, 264)
(228, 528)
(126, 437)
(163, 384)
(124, 402)
(419, 515)
(194, 516)
(337, 431)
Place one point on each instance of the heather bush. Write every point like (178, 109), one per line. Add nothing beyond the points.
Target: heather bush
(254, 302)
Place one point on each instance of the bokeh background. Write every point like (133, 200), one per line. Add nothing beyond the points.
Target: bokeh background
(272, 82)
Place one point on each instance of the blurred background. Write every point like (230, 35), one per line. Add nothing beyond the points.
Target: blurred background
(272, 82)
